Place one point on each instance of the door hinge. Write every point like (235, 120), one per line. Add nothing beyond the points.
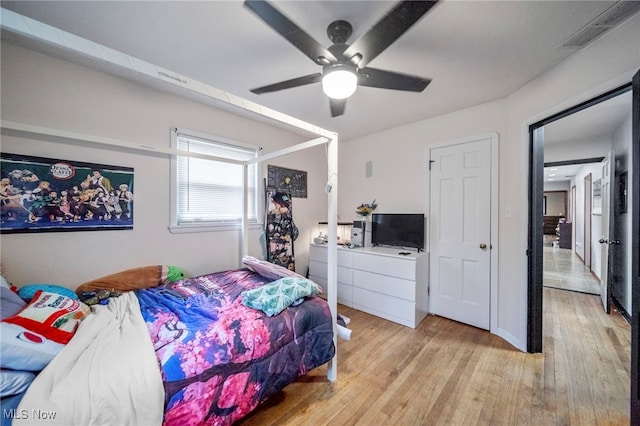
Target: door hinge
(428, 290)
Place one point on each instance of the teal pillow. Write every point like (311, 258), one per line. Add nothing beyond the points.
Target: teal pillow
(276, 296)
(28, 291)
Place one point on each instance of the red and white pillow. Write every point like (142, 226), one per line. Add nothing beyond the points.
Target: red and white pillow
(32, 337)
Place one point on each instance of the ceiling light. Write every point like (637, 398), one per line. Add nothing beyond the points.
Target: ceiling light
(339, 82)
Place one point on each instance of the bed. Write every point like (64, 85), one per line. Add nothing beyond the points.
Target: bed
(181, 353)
(83, 383)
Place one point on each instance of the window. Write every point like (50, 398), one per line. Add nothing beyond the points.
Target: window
(207, 193)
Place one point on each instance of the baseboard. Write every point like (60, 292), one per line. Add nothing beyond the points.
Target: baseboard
(620, 309)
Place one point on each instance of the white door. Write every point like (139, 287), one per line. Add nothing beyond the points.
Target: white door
(604, 241)
(460, 232)
(587, 219)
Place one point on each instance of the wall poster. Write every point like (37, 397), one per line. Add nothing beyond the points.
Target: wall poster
(293, 182)
(46, 195)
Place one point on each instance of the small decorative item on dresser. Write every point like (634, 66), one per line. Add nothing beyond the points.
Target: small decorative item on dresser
(365, 210)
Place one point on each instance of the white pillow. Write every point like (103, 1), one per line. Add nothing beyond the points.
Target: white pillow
(21, 349)
(10, 302)
(267, 269)
(14, 382)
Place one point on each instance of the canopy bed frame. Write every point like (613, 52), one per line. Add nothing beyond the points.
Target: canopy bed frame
(86, 52)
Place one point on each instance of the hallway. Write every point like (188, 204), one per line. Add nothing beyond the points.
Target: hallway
(564, 270)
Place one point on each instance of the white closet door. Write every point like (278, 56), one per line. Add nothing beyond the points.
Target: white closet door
(460, 232)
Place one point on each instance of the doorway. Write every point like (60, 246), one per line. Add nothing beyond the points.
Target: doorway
(564, 267)
(632, 239)
(568, 225)
(537, 156)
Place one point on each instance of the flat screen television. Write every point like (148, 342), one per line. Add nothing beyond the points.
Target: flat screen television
(398, 230)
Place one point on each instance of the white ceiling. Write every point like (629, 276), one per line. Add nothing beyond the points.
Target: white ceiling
(596, 122)
(475, 51)
(585, 134)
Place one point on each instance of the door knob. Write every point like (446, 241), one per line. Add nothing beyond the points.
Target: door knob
(483, 246)
(603, 241)
(614, 242)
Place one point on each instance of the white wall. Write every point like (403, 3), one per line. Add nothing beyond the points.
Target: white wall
(399, 166)
(595, 170)
(557, 186)
(556, 203)
(40, 90)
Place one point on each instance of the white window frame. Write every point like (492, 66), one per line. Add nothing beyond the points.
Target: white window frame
(207, 226)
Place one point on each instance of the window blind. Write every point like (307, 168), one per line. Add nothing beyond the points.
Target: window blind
(211, 191)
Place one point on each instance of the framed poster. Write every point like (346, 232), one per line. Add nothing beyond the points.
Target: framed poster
(293, 182)
(46, 195)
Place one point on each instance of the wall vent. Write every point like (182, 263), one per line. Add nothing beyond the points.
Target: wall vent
(607, 20)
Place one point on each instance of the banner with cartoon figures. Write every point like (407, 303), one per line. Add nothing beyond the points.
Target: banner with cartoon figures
(44, 194)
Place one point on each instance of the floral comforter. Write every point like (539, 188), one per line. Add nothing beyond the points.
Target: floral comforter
(220, 359)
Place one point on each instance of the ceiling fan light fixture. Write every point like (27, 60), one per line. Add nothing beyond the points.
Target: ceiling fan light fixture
(339, 82)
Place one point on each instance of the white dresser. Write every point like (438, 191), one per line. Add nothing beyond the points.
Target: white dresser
(377, 280)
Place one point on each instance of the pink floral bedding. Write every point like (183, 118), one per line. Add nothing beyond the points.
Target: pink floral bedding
(220, 359)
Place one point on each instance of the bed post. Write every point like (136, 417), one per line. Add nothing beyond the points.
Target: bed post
(332, 249)
(245, 213)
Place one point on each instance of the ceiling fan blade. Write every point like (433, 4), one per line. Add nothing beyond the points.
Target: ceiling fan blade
(288, 84)
(373, 77)
(337, 106)
(387, 30)
(290, 31)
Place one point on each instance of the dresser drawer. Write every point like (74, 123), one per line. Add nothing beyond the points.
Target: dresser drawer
(318, 268)
(391, 266)
(344, 293)
(391, 308)
(320, 254)
(345, 275)
(396, 287)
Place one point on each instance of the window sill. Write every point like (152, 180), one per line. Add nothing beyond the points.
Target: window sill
(185, 229)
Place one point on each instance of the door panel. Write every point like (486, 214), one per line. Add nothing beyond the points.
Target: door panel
(459, 240)
(587, 219)
(635, 255)
(619, 238)
(605, 278)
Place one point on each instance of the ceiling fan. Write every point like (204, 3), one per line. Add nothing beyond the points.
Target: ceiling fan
(344, 66)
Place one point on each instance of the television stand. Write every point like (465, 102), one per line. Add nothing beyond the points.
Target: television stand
(377, 280)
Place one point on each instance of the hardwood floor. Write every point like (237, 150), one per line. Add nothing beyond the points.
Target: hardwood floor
(565, 270)
(447, 373)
